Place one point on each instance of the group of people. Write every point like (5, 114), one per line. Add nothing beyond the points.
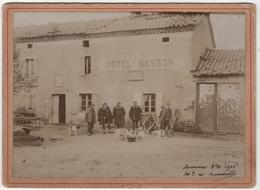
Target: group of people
(165, 119)
(106, 117)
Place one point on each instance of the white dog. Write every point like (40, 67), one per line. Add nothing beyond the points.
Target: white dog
(159, 133)
(121, 134)
(140, 135)
(73, 130)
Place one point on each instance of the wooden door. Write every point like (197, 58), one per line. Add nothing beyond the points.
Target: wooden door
(58, 108)
(206, 107)
(62, 108)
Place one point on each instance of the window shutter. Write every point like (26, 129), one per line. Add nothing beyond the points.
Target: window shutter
(37, 67)
(158, 103)
(94, 67)
(81, 66)
(138, 98)
(96, 100)
(24, 68)
(78, 103)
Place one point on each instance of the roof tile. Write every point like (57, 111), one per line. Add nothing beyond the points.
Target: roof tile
(220, 62)
(144, 21)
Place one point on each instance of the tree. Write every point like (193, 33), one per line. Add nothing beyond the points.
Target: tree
(21, 81)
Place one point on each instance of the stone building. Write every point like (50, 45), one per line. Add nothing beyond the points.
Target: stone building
(143, 57)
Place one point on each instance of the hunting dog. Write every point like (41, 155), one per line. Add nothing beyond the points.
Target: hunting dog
(73, 130)
(122, 134)
(140, 134)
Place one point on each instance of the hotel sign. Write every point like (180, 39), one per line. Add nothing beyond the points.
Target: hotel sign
(155, 63)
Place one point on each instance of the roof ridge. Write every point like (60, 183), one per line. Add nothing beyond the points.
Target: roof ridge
(125, 23)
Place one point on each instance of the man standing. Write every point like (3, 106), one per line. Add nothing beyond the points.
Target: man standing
(119, 115)
(166, 117)
(90, 118)
(105, 117)
(135, 115)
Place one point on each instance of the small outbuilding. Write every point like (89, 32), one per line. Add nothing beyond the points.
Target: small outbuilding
(220, 91)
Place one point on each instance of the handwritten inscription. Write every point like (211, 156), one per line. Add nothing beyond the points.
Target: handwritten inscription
(158, 63)
(227, 169)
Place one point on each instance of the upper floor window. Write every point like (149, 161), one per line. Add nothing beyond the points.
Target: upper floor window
(87, 65)
(29, 46)
(85, 100)
(29, 67)
(165, 39)
(86, 43)
(149, 102)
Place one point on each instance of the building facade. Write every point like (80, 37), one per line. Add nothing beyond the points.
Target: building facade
(145, 57)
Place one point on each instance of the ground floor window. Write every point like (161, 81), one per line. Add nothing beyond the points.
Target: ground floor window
(85, 100)
(149, 102)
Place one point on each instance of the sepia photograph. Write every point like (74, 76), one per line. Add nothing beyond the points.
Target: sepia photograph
(129, 95)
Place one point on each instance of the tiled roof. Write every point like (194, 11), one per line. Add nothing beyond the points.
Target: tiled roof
(129, 25)
(217, 62)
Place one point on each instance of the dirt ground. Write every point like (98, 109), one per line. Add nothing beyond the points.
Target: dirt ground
(104, 156)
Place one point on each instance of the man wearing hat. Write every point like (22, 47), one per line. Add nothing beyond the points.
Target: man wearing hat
(119, 115)
(166, 117)
(105, 117)
(90, 118)
(135, 115)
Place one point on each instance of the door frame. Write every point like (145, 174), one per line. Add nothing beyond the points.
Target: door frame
(215, 103)
(216, 83)
(59, 94)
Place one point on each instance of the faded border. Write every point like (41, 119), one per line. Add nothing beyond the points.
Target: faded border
(247, 181)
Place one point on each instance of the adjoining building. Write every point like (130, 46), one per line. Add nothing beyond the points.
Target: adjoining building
(144, 57)
(220, 92)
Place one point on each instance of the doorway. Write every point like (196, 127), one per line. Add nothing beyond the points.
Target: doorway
(218, 107)
(206, 107)
(58, 108)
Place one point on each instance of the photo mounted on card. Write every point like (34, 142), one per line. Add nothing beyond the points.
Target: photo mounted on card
(129, 95)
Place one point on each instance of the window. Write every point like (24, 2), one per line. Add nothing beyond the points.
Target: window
(165, 39)
(85, 43)
(29, 66)
(29, 46)
(149, 102)
(86, 99)
(87, 65)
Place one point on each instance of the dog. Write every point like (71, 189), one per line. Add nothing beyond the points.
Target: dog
(73, 130)
(159, 133)
(140, 136)
(122, 134)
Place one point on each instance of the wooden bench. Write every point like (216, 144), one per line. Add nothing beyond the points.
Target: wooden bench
(24, 119)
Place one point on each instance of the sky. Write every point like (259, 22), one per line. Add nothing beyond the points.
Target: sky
(228, 29)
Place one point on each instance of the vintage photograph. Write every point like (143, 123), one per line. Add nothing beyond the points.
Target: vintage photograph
(138, 94)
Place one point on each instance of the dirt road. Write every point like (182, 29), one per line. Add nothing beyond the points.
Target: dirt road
(104, 156)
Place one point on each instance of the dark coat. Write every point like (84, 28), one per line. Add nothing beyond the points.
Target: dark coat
(90, 115)
(105, 115)
(119, 115)
(166, 114)
(135, 113)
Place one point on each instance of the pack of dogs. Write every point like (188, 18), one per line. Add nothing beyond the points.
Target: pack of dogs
(122, 134)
